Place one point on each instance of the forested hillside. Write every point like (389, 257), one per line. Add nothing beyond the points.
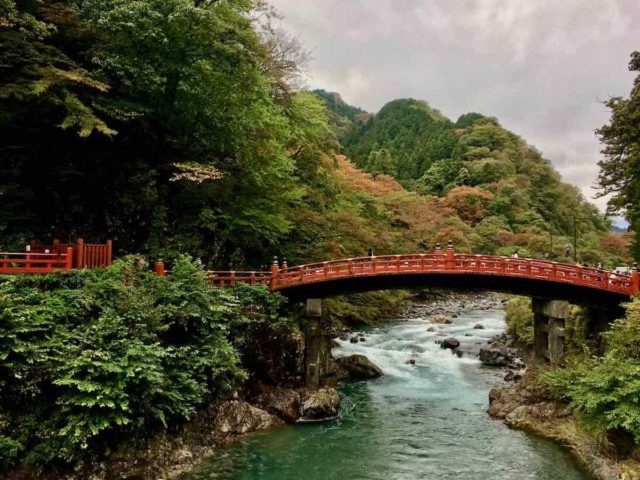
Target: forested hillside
(179, 127)
(506, 194)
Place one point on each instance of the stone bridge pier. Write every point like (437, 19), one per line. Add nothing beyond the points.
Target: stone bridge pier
(320, 369)
(548, 326)
(314, 343)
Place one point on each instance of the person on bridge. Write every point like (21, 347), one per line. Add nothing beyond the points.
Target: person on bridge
(515, 254)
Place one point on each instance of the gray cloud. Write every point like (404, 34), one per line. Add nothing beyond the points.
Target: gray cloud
(540, 66)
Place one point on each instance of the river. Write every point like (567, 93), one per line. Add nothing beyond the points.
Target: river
(426, 421)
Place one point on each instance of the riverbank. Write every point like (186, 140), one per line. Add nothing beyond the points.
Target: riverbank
(275, 396)
(526, 405)
(422, 420)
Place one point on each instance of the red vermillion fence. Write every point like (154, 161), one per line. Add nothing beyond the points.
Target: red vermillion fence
(57, 256)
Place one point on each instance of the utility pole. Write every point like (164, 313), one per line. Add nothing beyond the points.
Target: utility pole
(575, 241)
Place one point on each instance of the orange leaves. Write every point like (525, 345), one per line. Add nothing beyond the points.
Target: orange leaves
(616, 244)
(470, 203)
(356, 179)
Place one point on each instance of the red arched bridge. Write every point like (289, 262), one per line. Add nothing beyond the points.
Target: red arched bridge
(441, 269)
(536, 278)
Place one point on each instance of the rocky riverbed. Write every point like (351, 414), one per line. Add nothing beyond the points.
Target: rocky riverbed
(425, 417)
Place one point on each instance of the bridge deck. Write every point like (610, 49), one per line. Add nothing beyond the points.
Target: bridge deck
(449, 263)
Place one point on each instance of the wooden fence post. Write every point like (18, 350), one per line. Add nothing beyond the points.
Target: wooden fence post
(69, 259)
(80, 253)
(109, 252)
(274, 274)
(449, 256)
(160, 268)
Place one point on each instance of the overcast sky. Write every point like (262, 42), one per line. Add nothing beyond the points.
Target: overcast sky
(540, 66)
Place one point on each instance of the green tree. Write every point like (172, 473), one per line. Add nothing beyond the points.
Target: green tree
(620, 168)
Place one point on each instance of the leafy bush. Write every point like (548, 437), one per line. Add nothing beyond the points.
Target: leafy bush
(520, 320)
(9, 451)
(605, 390)
(91, 358)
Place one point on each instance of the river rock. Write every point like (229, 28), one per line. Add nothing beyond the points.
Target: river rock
(362, 339)
(513, 375)
(478, 326)
(495, 357)
(283, 402)
(344, 337)
(318, 405)
(451, 343)
(357, 367)
(431, 329)
(441, 319)
(515, 363)
(237, 417)
(353, 339)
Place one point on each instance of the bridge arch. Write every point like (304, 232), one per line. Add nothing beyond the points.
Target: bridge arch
(535, 278)
(551, 285)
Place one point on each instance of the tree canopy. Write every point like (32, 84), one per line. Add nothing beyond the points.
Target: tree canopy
(620, 168)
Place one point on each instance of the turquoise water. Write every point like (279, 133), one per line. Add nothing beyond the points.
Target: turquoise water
(426, 421)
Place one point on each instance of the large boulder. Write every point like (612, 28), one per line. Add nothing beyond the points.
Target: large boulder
(450, 343)
(319, 405)
(235, 417)
(494, 356)
(357, 367)
(283, 402)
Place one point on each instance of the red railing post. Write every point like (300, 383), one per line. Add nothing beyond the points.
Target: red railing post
(635, 280)
(449, 256)
(69, 260)
(109, 252)
(252, 279)
(232, 279)
(160, 268)
(80, 253)
(274, 274)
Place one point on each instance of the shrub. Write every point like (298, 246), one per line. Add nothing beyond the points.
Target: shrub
(604, 391)
(520, 320)
(91, 358)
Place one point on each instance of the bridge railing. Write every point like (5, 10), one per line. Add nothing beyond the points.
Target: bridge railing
(455, 263)
(229, 279)
(28, 262)
(224, 278)
(439, 262)
(85, 255)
